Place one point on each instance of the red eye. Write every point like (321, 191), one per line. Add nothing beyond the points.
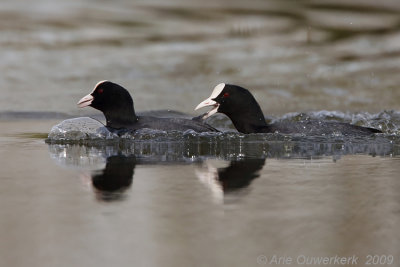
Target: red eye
(100, 91)
(226, 95)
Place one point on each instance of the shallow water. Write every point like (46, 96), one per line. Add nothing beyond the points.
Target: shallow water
(186, 199)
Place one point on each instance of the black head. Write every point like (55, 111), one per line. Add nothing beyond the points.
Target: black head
(238, 104)
(114, 101)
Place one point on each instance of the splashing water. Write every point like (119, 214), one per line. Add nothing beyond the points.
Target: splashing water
(85, 129)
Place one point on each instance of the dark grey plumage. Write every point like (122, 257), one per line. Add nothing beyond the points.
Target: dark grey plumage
(317, 127)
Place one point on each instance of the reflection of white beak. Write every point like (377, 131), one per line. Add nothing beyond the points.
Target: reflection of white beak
(209, 177)
(85, 101)
(210, 102)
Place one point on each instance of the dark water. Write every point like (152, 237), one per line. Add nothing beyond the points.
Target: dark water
(83, 197)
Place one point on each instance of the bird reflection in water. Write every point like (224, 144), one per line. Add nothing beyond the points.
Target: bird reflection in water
(112, 182)
(232, 179)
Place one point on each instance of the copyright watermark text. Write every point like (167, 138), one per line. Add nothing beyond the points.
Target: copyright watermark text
(325, 260)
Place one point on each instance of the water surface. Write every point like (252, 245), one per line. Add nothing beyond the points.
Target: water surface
(182, 199)
(194, 201)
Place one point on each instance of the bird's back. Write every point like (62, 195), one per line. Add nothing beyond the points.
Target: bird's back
(169, 124)
(315, 127)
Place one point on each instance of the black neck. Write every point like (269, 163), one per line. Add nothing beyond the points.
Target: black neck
(251, 120)
(120, 118)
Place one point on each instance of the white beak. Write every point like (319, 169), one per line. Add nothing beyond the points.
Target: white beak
(210, 102)
(85, 101)
(206, 103)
